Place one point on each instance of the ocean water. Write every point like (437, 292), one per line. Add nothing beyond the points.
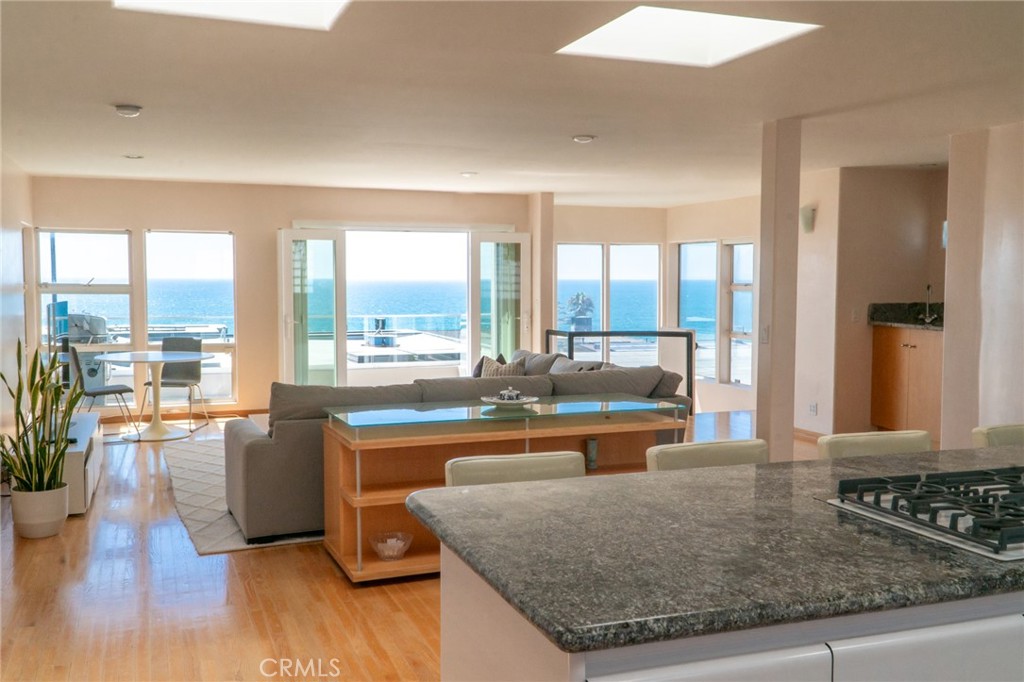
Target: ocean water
(427, 306)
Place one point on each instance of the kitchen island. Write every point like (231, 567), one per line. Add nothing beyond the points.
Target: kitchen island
(715, 573)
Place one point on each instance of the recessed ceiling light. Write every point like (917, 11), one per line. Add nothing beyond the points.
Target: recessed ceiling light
(133, 156)
(468, 174)
(128, 110)
(584, 139)
(312, 14)
(675, 36)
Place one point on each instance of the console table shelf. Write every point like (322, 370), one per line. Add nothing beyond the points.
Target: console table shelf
(375, 457)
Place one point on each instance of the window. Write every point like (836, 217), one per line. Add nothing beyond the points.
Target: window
(698, 302)
(580, 286)
(716, 300)
(741, 304)
(406, 295)
(633, 271)
(190, 291)
(85, 295)
(614, 282)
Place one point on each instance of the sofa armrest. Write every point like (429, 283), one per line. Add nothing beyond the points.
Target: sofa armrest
(274, 486)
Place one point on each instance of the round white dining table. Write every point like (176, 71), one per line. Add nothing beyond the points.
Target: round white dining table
(157, 429)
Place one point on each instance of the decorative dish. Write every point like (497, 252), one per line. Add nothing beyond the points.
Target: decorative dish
(498, 401)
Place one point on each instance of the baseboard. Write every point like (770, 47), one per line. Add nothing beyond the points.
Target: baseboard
(807, 436)
(177, 415)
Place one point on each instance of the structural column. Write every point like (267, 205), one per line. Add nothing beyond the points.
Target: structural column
(542, 231)
(775, 359)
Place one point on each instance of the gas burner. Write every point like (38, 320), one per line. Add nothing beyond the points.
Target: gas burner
(1015, 481)
(978, 510)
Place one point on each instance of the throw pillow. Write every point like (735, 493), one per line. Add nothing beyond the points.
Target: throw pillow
(492, 368)
(479, 367)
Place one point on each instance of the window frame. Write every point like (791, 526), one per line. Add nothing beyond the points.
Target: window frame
(727, 333)
(606, 280)
(725, 287)
(134, 289)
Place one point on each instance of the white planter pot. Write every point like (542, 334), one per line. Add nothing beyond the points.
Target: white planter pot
(39, 514)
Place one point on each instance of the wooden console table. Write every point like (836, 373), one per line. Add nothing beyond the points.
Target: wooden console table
(375, 457)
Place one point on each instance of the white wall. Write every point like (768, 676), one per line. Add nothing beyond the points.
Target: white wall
(254, 213)
(16, 199)
(610, 224)
(983, 363)
(885, 233)
(816, 304)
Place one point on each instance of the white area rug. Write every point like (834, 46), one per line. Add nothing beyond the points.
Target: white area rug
(197, 477)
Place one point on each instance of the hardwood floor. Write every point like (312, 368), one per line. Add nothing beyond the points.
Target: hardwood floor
(121, 594)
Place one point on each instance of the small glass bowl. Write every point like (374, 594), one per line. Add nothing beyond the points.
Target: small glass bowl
(392, 545)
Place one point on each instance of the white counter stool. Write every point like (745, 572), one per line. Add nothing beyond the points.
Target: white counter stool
(534, 466)
(999, 434)
(873, 443)
(706, 454)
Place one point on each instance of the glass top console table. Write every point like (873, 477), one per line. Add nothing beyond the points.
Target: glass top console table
(376, 456)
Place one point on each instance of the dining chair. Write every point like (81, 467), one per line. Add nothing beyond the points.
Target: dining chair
(998, 434)
(117, 390)
(873, 443)
(182, 375)
(534, 466)
(706, 454)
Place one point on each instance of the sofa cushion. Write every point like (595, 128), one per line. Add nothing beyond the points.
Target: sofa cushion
(467, 388)
(639, 381)
(478, 368)
(563, 365)
(668, 385)
(536, 363)
(289, 401)
(493, 368)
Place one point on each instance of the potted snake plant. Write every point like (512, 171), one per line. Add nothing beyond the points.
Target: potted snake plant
(34, 454)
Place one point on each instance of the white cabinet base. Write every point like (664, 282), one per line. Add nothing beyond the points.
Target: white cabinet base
(83, 462)
(484, 638)
(991, 649)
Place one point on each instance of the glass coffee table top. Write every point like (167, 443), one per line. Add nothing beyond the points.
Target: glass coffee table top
(478, 411)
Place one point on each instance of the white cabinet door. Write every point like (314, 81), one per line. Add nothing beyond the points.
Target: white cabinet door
(989, 650)
(812, 663)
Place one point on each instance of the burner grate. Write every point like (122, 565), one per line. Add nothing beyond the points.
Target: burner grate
(984, 507)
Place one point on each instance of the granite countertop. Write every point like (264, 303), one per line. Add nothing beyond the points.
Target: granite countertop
(610, 561)
(909, 315)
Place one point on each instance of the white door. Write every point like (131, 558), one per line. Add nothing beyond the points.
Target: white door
(311, 290)
(499, 294)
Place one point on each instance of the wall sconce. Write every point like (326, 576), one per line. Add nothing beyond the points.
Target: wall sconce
(807, 215)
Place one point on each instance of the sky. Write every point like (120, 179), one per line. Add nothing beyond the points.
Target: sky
(103, 257)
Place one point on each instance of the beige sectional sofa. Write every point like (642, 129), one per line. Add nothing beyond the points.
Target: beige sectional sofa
(274, 479)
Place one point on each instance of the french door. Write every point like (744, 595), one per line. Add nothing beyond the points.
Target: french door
(311, 298)
(499, 293)
(312, 301)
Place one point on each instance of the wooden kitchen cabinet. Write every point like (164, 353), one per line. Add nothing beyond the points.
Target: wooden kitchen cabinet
(906, 379)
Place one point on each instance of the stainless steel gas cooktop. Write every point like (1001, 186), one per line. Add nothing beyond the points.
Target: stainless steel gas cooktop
(981, 511)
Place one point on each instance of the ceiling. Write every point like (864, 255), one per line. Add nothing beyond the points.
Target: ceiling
(409, 95)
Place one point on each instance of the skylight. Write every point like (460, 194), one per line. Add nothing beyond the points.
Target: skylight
(675, 36)
(312, 14)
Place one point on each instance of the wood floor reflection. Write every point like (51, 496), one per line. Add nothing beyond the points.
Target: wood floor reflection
(121, 594)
